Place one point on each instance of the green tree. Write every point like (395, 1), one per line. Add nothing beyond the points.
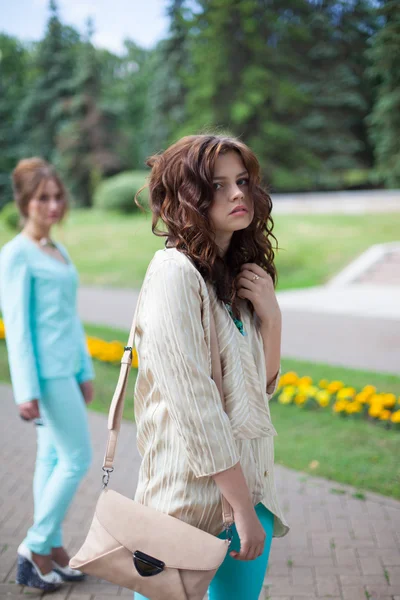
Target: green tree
(43, 108)
(241, 81)
(86, 140)
(13, 76)
(385, 118)
(126, 89)
(332, 73)
(288, 76)
(171, 64)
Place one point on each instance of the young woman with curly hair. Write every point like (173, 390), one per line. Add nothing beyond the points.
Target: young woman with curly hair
(218, 262)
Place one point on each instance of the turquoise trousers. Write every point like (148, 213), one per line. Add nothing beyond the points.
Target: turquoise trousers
(238, 579)
(63, 456)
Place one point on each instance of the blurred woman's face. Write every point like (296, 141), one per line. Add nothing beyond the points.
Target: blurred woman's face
(232, 208)
(47, 206)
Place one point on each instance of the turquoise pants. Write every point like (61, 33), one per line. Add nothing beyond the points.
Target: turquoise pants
(63, 457)
(238, 579)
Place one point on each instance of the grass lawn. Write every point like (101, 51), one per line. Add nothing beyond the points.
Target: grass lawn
(348, 451)
(114, 250)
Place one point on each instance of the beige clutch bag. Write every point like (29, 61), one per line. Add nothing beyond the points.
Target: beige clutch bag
(142, 549)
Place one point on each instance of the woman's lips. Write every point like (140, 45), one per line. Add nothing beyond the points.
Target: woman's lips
(239, 210)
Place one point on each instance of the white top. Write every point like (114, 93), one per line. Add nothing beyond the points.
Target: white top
(183, 434)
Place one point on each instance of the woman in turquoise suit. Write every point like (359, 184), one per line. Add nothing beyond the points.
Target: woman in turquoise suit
(51, 370)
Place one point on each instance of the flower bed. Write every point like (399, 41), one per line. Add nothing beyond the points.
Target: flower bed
(367, 403)
(110, 352)
(344, 401)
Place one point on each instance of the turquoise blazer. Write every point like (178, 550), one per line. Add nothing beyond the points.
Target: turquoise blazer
(44, 335)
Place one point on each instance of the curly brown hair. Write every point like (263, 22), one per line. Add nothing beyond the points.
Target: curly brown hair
(181, 192)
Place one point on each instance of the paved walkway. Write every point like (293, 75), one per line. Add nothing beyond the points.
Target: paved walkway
(350, 202)
(339, 547)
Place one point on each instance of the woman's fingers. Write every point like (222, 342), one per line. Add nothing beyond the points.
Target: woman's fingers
(260, 550)
(29, 410)
(248, 552)
(255, 269)
(244, 282)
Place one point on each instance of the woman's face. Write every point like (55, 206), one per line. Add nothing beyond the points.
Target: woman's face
(232, 208)
(47, 206)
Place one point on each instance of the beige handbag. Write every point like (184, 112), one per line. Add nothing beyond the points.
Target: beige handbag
(142, 549)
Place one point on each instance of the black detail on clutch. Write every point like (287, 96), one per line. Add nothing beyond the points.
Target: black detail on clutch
(146, 565)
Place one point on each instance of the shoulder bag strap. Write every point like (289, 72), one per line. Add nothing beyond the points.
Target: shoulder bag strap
(118, 401)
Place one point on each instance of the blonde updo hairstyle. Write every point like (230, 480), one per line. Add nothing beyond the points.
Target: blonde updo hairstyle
(28, 176)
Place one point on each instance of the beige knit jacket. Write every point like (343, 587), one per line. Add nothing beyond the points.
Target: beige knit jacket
(183, 434)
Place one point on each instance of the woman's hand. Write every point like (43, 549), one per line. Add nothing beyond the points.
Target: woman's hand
(251, 534)
(254, 284)
(29, 410)
(87, 390)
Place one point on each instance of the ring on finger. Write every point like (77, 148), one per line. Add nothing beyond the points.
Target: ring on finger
(255, 277)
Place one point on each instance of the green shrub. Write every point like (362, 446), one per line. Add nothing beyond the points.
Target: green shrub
(10, 216)
(117, 193)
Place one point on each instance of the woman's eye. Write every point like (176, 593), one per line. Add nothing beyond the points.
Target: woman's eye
(216, 186)
(43, 198)
(243, 181)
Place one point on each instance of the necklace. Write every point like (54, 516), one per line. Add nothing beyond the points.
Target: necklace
(47, 242)
(238, 322)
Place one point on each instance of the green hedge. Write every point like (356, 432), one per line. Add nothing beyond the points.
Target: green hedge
(117, 193)
(10, 216)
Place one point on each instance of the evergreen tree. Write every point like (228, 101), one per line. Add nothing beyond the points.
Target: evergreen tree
(288, 77)
(171, 64)
(241, 81)
(385, 71)
(332, 73)
(42, 110)
(13, 76)
(86, 140)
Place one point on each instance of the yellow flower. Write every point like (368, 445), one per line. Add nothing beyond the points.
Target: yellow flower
(323, 383)
(362, 397)
(335, 386)
(385, 415)
(2, 330)
(375, 399)
(346, 392)
(300, 399)
(353, 407)
(369, 389)
(289, 378)
(303, 381)
(135, 359)
(323, 397)
(283, 398)
(312, 391)
(389, 400)
(290, 390)
(375, 410)
(340, 405)
(308, 390)
(395, 418)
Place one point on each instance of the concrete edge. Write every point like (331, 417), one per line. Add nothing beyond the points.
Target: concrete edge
(361, 264)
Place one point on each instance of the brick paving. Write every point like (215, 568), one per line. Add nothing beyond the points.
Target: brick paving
(339, 547)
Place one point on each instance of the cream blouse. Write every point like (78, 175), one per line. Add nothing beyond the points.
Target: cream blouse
(184, 436)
